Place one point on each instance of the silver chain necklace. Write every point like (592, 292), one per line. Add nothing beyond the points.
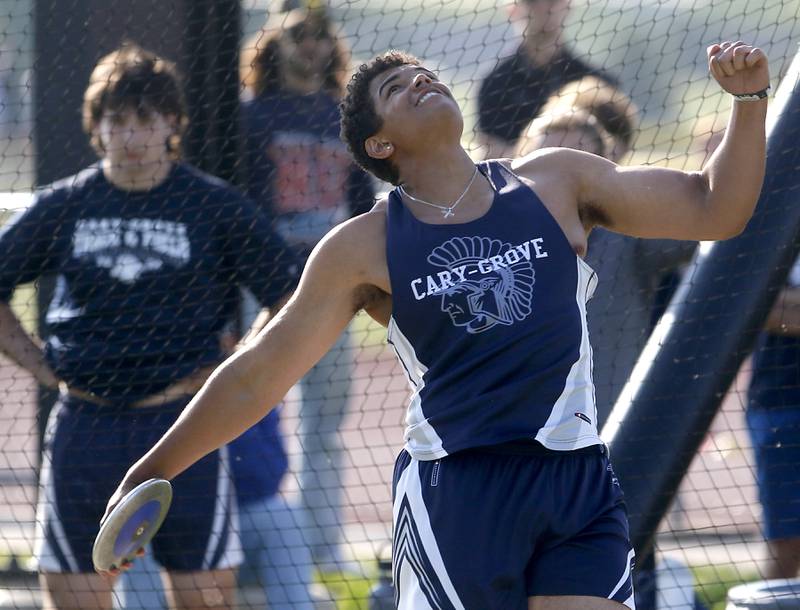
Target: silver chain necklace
(446, 210)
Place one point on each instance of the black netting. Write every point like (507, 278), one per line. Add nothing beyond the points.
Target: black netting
(167, 168)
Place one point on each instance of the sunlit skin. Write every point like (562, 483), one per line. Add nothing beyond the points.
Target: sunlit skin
(348, 270)
(417, 107)
(135, 152)
(577, 139)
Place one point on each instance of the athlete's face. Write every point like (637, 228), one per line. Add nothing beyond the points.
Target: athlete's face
(134, 140)
(416, 108)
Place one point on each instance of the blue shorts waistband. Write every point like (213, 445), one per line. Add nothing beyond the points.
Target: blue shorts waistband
(532, 447)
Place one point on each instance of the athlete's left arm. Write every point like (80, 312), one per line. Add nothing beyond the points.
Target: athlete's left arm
(714, 203)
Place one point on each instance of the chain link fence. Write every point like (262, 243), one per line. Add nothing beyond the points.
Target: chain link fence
(125, 287)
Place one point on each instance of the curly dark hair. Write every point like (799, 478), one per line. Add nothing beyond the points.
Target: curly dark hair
(132, 78)
(360, 120)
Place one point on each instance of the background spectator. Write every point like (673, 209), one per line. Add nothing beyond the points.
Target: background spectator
(515, 91)
(301, 174)
(773, 419)
(148, 253)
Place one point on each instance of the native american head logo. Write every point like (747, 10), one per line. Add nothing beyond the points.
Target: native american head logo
(498, 284)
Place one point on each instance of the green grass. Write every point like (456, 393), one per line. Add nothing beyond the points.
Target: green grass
(350, 593)
(713, 582)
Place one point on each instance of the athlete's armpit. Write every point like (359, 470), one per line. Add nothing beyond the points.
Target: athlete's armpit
(376, 302)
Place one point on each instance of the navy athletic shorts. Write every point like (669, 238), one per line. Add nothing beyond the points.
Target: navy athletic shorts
(88, 449)
(486, 529)
(776, 445)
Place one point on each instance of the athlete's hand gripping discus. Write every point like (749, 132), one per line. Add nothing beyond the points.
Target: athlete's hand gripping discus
(132, 524)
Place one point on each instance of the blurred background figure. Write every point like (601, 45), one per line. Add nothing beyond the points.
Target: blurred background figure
(773, 419)
(294, 71)
(592, 115)
(516, 90)
(277, 558)
(612, 110)
(144, 285)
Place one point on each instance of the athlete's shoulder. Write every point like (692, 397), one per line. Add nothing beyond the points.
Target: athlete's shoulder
(359, 240)
(362, 234)
(357, 246)
(75, 189)
(549, 159)
(569, 164)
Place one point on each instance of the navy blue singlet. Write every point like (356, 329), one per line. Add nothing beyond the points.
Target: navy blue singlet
(489, 322)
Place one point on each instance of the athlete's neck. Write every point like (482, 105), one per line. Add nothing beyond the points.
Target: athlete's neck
(137, 177)
(438, 176)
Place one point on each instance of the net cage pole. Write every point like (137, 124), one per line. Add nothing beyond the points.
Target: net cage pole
(709, 328)
(212, 39)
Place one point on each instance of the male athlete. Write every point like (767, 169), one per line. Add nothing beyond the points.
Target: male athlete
(504, 496)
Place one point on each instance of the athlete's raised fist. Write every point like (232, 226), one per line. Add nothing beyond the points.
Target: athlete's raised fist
(738, 67)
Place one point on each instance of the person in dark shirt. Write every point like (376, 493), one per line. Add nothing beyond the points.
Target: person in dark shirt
(297, 168)
(148, 254)
(517, 88)
(301, 174)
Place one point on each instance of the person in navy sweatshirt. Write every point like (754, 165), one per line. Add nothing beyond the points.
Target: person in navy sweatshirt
(148, 254)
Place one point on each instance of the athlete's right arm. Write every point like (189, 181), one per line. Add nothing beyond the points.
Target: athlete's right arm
(344, 267)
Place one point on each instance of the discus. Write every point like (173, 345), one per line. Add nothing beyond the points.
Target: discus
(132, 524)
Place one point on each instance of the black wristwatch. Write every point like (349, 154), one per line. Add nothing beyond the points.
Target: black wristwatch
(752, 97)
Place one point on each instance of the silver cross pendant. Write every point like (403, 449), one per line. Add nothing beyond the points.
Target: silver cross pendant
(448, 212)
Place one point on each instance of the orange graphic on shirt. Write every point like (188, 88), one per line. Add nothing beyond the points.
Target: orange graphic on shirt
(310, 173)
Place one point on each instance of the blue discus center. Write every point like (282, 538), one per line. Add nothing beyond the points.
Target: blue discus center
(135, 532)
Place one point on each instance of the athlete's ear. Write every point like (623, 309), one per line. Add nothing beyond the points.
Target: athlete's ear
(378, 149)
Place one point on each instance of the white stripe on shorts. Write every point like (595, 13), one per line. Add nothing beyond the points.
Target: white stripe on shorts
(225, 504)
(412, 582)
(623, 579)
(47, 514)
